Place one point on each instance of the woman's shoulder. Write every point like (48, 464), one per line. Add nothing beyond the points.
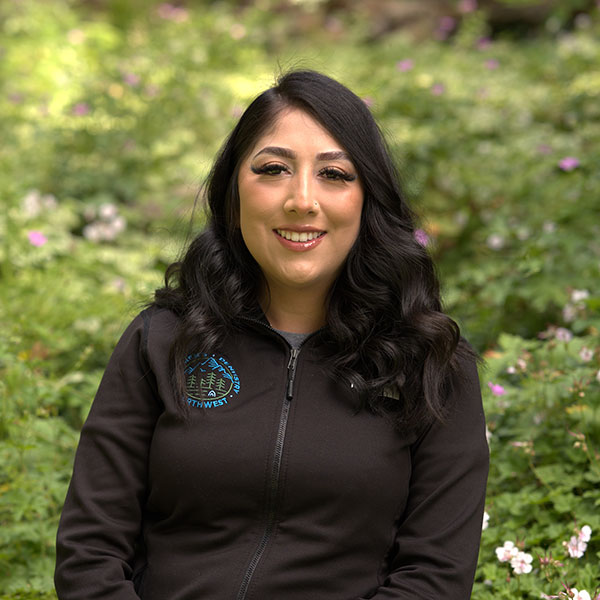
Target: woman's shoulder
(151, 332)
(159, 326)
(158, 317)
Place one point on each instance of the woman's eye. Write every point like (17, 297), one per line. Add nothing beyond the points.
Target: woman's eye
(337, 174)
(272, 169)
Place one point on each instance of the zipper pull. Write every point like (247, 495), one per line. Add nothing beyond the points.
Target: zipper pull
(291, 373)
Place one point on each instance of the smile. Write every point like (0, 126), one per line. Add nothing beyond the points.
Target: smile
(295, 236)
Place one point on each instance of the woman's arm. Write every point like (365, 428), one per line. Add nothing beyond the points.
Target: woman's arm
(437, 544)
(102, 515)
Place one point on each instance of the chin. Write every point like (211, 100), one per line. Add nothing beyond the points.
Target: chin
(302, 280)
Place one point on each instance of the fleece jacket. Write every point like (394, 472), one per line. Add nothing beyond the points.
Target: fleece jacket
(273, 488)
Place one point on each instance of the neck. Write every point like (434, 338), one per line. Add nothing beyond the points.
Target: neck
(295, 310)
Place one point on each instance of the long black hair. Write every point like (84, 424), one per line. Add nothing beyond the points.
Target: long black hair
(386, 332)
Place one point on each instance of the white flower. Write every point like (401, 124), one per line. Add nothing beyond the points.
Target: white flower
(563, 335)
(488, 437)
(31, 204)
(580, 595)
(549, 227)
(119, 224)
(579, 295)
(486, 520)
(585, 533)
(92, 232)
(575, 547)
(569, 313)
(586, 354)
(506, 552)
(107, 211)
(511, 370)
(521, 563)
(495, 241)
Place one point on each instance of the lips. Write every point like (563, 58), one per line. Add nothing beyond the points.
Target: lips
(299, 236)
(299, 241)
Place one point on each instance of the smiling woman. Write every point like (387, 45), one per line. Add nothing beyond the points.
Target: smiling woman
(294, 416)
(300, 213)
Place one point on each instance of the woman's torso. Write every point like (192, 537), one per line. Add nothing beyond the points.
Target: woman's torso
(261, 496)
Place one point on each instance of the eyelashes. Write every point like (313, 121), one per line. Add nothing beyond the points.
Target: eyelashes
(269, 169)
(336, 174)
(329, 173)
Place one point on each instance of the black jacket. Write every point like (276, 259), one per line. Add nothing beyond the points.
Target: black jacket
(274, 489)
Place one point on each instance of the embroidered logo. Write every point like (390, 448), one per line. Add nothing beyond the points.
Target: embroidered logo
(210, 380)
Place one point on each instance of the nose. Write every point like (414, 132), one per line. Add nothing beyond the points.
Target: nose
(301, 194)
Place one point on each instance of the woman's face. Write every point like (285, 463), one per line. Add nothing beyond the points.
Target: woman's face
(300, 203)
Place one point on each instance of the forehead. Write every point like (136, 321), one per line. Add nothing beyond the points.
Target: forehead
(296, 129)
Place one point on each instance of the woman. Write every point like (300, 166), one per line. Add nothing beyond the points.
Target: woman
(294, 417)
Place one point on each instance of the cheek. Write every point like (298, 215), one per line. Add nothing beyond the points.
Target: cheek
(254, 222)
(350, 217)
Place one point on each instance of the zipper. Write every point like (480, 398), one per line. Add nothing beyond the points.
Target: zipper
(274, 479)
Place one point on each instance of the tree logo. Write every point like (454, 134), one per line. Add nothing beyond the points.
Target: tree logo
(210, 380)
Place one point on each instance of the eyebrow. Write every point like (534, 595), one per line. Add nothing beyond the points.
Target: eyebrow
(287, 153)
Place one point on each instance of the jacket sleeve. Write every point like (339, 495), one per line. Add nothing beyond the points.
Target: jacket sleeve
(437, 542)
(101, 518)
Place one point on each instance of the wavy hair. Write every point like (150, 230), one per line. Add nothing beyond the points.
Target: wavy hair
(386, 332)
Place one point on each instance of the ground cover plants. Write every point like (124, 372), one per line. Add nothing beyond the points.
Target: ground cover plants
(109, 121)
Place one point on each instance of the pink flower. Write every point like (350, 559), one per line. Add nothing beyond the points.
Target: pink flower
(421, 237)
(586, 354)
(447, 24)
(544, 149)
(496, 388)
(368, 101)
(484, 43)
(467, 6)
(492, 63)
(568, 163)
(575, 547)
(521, 563)
(172, 13)
(81, 109)
(562, 334)
(507, 552)
(152, 90)
(131, 79)
(37, 238)
(405, 65)
(438, 89)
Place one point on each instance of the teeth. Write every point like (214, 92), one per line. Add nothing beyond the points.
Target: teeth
(294, 236)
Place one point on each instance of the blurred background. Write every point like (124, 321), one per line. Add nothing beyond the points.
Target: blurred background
(110, 114)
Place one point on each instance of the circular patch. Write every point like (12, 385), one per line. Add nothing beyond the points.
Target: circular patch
(210, 380)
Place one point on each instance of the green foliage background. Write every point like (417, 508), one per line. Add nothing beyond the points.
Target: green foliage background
(111, 116)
